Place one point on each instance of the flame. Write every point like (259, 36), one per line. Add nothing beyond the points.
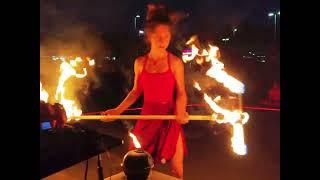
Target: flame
(236, 117)
(135, 140)
(67, 70)
(237, 139)
(217, 72)
(191, 40)
(217, 69)
(91, 61)
(232, 117)
(199, 60)
(43, 94)
(197, 86)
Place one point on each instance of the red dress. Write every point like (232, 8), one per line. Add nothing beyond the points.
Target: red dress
(158, 137)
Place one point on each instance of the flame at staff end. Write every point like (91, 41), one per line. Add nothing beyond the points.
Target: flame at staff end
(135, 141)
(237, 140)
(231, 117)
(236, 118)
(91, 61)
(197, 86)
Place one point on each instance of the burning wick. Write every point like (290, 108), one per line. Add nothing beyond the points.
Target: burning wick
(137, 145)
(137, 163)
(135, 141)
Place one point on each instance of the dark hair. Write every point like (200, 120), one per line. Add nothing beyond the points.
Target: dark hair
(157, 14)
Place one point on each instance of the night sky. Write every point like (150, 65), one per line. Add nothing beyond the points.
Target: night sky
(117, 16)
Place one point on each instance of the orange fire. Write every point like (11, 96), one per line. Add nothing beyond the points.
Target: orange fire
(67, 70)
(135, 141)
(43, 94)
(236, 117)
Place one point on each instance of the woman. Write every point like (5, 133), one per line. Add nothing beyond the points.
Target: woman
(157, 75)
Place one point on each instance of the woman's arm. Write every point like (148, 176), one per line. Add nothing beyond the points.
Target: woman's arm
(181, 101)
(133, 95)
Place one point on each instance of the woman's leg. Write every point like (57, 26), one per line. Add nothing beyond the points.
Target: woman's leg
(177, 160)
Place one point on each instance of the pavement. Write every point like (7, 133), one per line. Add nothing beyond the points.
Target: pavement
(210, 156)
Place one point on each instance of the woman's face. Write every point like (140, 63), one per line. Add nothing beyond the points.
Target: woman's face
(160, 37)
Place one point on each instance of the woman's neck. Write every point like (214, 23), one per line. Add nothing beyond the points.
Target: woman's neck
(157, 53)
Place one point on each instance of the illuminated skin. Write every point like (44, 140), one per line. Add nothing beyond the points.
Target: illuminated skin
(159, 39)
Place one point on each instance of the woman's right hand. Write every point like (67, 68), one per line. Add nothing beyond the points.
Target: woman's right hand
(114, 111)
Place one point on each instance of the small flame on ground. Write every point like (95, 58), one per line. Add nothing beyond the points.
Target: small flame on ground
(135, 141)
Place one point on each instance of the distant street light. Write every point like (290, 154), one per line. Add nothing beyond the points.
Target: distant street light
(275, 22)
(234, 31)
(135, 21)
(270, 14)
(141, 33)
(225, 40)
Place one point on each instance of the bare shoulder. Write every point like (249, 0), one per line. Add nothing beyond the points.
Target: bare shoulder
(176, 62)
(139, 61)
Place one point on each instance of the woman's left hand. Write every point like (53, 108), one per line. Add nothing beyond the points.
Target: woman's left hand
(183, 118)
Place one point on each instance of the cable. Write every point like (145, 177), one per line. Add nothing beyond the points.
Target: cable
(99, 169)
(86, 171)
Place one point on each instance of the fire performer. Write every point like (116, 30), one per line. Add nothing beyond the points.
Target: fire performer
(158, 74)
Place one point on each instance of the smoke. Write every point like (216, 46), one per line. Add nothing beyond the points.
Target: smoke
(64, 34)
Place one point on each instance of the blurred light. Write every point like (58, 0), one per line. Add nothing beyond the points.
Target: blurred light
(279, 13)
(137, 16)
(114, 58)
(78, 59)
(226, 39)
(91, 62)
(141, 32)
(270, 14)
(235, 30)
(73, 63)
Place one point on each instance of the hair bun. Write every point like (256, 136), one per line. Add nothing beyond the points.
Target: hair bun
(157, 12)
